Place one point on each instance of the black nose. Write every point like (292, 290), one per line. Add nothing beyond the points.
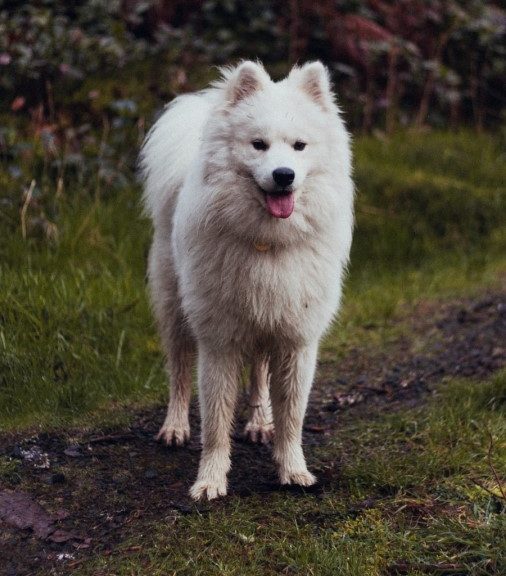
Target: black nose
(283, 176)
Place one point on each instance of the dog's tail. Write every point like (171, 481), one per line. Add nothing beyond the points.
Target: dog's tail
(170, 147)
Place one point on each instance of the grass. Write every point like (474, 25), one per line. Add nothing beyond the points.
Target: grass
(76, 329)
(76, 334)
(429, 194)
(416, 493)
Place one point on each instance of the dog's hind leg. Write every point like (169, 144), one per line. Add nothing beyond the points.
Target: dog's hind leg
(292, 376)
(180, 352)
(177, 342)
(260, 426)
(218, 374)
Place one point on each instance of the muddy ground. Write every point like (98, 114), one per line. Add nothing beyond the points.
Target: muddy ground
(67, 497)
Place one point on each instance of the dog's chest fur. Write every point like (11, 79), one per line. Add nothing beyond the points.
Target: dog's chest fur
(246, 295)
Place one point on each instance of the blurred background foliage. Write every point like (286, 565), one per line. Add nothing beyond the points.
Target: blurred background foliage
(80, 81)
(394, 63)
(421, 60)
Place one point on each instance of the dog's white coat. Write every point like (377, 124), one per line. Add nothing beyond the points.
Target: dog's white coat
(229, 281)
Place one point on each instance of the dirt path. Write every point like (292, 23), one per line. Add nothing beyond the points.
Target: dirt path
(87, 493)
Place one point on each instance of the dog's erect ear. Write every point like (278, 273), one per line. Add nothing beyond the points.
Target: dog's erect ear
(313, 79)
(245, 80)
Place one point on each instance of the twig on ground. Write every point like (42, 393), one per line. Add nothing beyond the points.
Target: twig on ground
(407, 567)
(26, 203)
(483, 487)
(110, 438)
(492, 467)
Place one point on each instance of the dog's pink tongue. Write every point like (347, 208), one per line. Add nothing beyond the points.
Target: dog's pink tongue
(280, 206)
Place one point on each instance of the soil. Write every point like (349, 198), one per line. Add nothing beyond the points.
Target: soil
(86, 493)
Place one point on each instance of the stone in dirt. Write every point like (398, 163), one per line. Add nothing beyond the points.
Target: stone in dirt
(19, 509)
(33, 455)
(73, 451)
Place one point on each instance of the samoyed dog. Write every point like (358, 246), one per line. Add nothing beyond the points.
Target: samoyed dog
(249, 188)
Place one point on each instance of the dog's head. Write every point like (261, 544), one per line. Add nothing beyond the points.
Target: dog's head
(278, 146)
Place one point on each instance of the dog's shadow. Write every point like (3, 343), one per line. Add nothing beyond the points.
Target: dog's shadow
(254, 472)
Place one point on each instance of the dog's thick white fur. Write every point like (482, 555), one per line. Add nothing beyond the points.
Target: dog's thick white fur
(247, 260)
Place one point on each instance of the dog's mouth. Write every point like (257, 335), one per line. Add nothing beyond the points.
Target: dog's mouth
(279, 203)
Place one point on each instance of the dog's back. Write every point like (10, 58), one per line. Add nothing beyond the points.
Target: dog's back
(170, 148)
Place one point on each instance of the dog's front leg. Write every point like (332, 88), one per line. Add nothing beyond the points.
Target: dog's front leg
(292, 376)
(218, 375)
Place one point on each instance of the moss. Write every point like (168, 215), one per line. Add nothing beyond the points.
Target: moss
(9, 471)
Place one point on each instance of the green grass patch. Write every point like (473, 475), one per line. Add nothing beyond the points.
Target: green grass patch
(465, 422)
(9, 470)
(75, 327)
(421, 195)
(413, 493)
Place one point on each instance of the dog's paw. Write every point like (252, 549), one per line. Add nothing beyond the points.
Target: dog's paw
(300, 477)
(208, 489)
(174, 435)
(259, 433)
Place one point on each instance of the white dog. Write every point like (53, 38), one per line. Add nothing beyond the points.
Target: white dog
(250, 191)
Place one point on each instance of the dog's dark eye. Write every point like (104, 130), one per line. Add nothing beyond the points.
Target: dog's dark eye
(260, 145)
(299, 145)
